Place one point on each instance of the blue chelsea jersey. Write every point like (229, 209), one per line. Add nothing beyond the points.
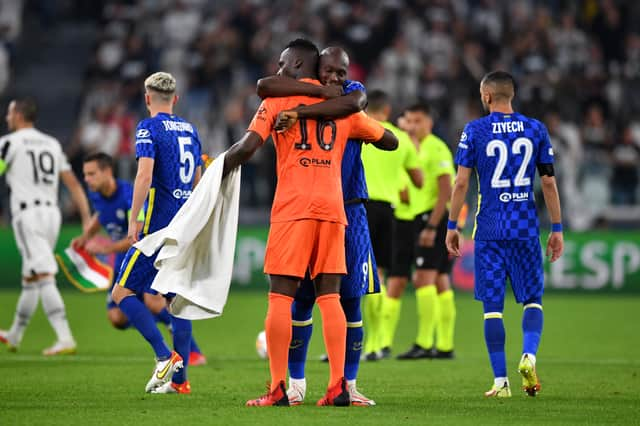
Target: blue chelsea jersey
(353, 181)
(505, 149)
(174, 145)
(113, 211)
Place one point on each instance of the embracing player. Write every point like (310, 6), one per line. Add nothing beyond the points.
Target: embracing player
(168, 152)
(307, 219)
(361, 277)
(505, 148)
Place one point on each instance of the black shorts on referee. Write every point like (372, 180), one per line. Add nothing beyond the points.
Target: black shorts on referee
(405, 238)
(435, 257)
(380, 218)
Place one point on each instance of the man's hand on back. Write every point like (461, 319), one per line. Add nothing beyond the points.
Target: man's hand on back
(286, 120)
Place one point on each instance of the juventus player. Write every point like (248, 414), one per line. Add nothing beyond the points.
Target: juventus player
(35, 163)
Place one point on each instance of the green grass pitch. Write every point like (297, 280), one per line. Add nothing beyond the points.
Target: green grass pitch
(588, 363)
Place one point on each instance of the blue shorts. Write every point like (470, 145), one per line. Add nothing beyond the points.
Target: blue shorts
(362, 272)
(111, 304)
(519, 260)
(137, 272)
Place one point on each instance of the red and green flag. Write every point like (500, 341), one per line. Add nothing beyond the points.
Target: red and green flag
(84, 270)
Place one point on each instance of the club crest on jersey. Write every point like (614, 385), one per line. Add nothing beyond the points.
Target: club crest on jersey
(120, 214)
(507, 197)
(463, 137)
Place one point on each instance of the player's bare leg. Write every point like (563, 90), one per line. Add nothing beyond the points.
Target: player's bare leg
(117, 318)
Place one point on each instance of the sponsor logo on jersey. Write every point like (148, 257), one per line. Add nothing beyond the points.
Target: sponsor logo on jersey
(314, 162)
(143, 133)
(507, 197)
(181, 194)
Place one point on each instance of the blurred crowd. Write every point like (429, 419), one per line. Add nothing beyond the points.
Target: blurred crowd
(577, 65)
(10, 29)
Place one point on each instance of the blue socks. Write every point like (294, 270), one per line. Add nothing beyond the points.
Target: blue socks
(164, 317)
(301, 311)
(142, 319)
(355, 335)
(494, 336)
(532, 320)
(182, 345)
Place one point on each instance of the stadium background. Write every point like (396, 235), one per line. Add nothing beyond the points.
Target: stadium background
(577, 64)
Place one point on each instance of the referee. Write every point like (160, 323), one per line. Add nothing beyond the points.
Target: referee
(384, 170)
(434, 297)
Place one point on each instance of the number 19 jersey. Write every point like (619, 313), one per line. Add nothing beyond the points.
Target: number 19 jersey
(505, 149)
(33, 161)
(174, 145)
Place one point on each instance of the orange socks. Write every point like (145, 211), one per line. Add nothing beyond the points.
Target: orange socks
(278, 329)
(334, 329)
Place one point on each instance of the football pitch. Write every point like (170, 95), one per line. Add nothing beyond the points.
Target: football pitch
(588, 364)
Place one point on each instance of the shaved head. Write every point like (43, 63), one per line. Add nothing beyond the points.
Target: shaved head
(336, 52)
(497, 87)
(334, 66)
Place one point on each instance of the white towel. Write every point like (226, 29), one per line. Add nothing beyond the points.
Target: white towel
(196, 258)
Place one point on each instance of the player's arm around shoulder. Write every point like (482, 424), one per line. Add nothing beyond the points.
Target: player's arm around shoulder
(276, 86)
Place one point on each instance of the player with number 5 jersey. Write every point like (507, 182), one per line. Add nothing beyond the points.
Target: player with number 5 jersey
(168, 154)
(505, 148)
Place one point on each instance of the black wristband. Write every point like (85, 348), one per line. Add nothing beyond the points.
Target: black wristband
(431, 227)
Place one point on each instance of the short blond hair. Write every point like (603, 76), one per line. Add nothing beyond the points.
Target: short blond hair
(162, 83)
